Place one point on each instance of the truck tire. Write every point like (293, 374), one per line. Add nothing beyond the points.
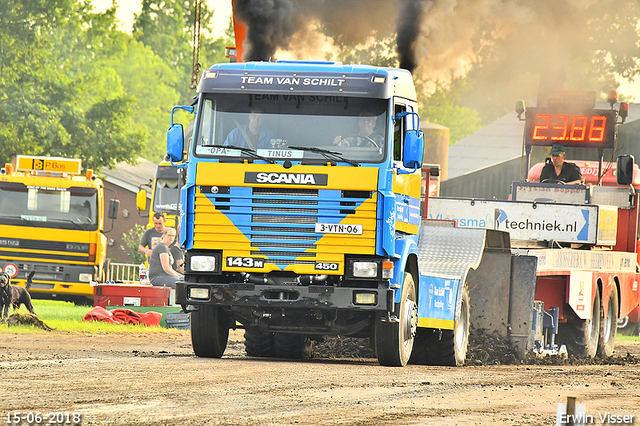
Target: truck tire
(445, 347)
(581, 336)
(289, 346)
(209, 331)
(258, 343)
(608, 324)
(394, 340)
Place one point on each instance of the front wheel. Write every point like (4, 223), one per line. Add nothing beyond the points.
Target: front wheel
(209, 331)
(608, 324)
(394, 340)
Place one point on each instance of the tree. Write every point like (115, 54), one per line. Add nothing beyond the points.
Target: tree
(131, 240)
(561, 45)
(57, 99)
(166, 26)
(443, 107)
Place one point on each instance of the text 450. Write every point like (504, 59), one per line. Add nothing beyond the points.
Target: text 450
(245, 262)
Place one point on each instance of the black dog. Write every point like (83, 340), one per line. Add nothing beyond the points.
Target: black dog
(14, 295)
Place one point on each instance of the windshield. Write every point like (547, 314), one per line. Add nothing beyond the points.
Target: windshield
(166, 195)
(47, 207)
(293, 127)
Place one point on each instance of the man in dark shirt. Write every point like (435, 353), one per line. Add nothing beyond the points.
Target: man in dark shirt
(559, 170)
(366, 135)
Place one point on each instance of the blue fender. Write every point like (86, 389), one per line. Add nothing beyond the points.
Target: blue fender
(403, 248)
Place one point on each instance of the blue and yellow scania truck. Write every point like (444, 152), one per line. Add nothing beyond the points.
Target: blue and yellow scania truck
(301, 210)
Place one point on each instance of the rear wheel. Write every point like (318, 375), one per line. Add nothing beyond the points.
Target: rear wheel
(290, 346)
(581, 336)
(394, 340)
(447, 347)
(209, 331)
(259, 343)
(608, 324)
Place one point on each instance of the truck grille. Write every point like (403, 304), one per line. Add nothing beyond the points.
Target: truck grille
(279, 223)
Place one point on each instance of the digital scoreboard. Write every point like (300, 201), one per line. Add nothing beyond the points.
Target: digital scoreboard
(593, 128)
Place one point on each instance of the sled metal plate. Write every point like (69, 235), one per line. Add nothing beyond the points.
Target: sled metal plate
(612, 196)
(521, 302)
(449, 252)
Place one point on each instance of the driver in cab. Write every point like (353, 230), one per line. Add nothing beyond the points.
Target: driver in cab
(366, 135)
(558, 170)
(252, 135)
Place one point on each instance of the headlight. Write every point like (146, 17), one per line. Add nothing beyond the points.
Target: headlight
(365, 299)
(203, 263)
(85, 278)
(365, 269)
(198, 293)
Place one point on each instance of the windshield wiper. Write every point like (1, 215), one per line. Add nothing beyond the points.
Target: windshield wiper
(79, 226)
(251, 152)
(329, 155)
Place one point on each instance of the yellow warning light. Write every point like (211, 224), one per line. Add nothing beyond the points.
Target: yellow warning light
(26, 163)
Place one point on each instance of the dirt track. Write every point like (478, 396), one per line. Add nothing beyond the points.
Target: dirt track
(154, 379)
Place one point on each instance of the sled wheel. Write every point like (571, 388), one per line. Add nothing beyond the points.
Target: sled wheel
(394, 340)
(608, 324)
(258, 343)
(581, 336)
(421, 354)
(290, 346)
(449, 347)
(209, 331)
(461, 331)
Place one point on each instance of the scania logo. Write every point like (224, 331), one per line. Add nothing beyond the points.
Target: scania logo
(286, 178)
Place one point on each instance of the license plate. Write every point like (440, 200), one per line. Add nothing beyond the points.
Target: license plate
(337, 228)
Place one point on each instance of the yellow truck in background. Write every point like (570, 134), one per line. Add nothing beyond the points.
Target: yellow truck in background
(52, 222)
(165, 193)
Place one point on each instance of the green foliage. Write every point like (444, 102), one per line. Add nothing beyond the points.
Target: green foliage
(59, 99)
(443, 107)
(381, 52)
(166, 26)
(131, 240)
(72, 85)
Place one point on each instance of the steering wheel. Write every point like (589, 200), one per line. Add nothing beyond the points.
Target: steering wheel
(367, 140)
(553, 181)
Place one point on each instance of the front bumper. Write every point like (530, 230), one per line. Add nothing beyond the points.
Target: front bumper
(282, 296)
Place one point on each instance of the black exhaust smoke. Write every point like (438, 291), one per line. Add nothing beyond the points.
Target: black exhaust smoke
(408, 31)
(270, 24)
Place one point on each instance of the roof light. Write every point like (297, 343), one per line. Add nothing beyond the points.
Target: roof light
(623, 110)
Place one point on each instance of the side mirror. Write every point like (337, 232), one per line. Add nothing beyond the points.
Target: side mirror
(114, 208)
(624, 170)
(413, 149)
(175, 136)
(141, 200)
(175, 143)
